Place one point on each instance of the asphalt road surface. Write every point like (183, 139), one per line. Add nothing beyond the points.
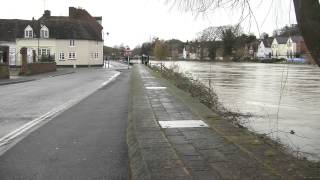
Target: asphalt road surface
(24, 102)
(86, 141)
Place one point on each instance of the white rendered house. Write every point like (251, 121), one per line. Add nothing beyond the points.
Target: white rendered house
(68, 40)
(264, 49)
(279, 47)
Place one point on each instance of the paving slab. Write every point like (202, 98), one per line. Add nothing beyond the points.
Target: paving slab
(201, 152)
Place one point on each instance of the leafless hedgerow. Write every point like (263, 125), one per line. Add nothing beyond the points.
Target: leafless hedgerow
(204, 93)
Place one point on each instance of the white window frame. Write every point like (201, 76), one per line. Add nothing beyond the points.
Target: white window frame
(72, 43)
(61, 56)
(28, 32)
(44, 51)
(44, 32)
(96, 55)
(72, 55)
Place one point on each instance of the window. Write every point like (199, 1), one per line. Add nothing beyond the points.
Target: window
(44, 32)
(61, 56)
(28, 32)
(44, 52)
(72, 55)
(71, 43)
(96, 55)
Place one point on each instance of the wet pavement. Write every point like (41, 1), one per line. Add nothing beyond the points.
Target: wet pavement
(197, 153)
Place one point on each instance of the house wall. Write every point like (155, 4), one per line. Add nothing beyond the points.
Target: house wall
(263, 52)
(279, 50)
(85, 52)
(34, 44)
(12, 51)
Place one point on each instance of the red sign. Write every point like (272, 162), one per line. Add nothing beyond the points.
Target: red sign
(127, 51)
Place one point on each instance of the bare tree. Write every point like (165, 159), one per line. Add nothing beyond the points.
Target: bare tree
(307, 13)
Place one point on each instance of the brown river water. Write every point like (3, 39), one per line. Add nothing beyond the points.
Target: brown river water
(280, 98)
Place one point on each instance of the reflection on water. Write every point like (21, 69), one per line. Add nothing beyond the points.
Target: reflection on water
(258, 89)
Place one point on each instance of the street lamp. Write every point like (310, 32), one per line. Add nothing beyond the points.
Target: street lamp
(106, 55)
(39, 32)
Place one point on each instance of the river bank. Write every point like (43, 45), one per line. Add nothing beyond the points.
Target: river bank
(280, 98)
(219, 151)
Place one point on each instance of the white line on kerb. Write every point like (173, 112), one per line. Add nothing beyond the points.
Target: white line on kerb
(111, 79)
(7, 139)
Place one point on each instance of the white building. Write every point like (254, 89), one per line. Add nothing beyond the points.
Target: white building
(76, 39)
(264, 49)
(279, 47)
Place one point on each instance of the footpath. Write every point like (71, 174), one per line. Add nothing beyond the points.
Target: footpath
(22, 79)
(172, 136)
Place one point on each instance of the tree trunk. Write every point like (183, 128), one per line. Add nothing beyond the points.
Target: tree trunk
(308, 18)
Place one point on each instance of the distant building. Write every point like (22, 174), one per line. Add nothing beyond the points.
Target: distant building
(279, 47)
(76, 39)
(264, 49)
(296, 46)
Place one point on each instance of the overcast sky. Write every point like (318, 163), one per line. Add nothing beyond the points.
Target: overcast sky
(132, 22)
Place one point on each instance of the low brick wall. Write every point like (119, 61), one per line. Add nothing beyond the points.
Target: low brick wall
(4, 71)
(38, 68)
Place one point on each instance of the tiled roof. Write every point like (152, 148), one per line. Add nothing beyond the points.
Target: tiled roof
(297, 39)
(10, 29)
(60, 27)
(267, 42)
(282, 40)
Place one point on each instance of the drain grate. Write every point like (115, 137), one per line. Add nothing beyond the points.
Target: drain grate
(182, 124)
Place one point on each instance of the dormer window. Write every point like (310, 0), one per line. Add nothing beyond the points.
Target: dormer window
(44, 32)
(28, 32)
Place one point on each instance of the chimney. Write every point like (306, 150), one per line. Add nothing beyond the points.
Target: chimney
(99, 19)
(47, 13)
(72, 12)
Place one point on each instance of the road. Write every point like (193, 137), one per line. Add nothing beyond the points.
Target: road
(24, 102)
(87, 141)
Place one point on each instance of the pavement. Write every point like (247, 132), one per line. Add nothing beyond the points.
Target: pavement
(86, 141)
(163, 145)
(21, 79)
(15, 78)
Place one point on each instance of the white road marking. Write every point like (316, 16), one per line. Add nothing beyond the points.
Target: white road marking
(111, 79)
(10, 137)
(155, 88)
(182, 124)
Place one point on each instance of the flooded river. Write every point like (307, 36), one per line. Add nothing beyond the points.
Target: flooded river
(281, 98)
